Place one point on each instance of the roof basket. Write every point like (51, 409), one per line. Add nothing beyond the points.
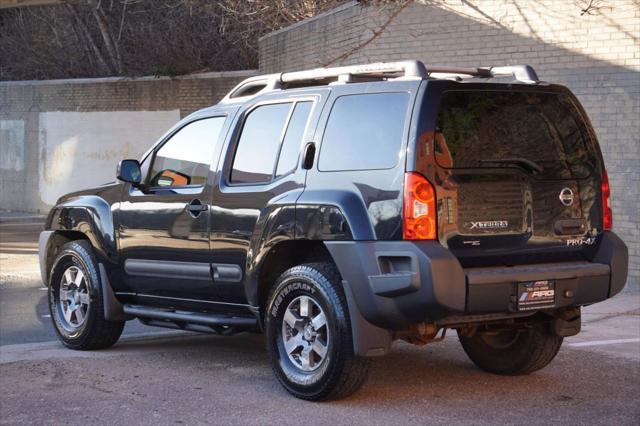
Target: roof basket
(380, 70)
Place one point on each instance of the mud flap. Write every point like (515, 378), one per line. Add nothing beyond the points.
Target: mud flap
(113, 310)
(368, 340)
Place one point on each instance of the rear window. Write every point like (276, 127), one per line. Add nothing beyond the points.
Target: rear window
(364, 132)
(540, 132)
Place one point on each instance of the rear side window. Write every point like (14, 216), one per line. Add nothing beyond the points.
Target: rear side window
(186, 157)
(259, 143)
(477, 129)
(364, 132)
(270, 138)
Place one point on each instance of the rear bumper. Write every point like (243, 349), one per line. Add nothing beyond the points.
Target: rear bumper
(399, 283)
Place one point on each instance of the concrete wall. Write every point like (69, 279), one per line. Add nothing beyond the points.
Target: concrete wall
(64, 135)
(597, 55)
(73, 145)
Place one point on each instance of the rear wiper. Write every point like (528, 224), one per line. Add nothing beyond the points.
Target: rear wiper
(522, 162)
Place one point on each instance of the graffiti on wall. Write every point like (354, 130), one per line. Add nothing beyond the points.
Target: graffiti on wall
(12, 145)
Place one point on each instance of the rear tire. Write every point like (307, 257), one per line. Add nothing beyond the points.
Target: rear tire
(75, 300)
(512, 352)
(309, 339)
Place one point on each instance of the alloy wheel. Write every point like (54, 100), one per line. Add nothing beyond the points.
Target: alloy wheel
(305, 333)
(73, 298)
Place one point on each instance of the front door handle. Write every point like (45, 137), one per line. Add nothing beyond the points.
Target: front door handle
(196, 207)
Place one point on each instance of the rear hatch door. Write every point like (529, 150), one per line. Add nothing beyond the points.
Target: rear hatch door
(515, 174)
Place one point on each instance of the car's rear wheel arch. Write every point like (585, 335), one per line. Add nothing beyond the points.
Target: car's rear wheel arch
(283, 256)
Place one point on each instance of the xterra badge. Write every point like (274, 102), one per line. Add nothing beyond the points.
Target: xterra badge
(489, 224)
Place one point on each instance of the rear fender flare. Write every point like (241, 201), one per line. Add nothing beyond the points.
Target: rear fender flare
(333, 215)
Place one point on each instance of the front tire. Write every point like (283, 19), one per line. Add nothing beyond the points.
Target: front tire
(309, 339)
(75, 300)
(512, 352)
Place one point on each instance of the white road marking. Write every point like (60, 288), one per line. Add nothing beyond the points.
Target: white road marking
(604, 342)
(54, 349)
(20, 272)
(46, 316)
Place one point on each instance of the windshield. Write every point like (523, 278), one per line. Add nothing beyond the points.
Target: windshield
(540, 133)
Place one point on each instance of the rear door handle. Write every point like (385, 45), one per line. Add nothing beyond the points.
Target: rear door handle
(308, 155)
(196, 207)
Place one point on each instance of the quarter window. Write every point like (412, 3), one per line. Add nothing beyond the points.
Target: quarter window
(186, 157)
(290, 151)
(364, 132)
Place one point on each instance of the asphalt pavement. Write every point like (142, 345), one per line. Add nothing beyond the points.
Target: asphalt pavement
(153, 376)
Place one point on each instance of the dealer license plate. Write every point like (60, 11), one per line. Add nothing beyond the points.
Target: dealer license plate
(534, 295)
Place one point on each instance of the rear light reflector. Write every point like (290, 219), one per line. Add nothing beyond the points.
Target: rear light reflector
(607, 214)
(419, 208)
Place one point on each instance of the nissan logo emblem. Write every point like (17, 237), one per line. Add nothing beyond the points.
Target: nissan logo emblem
(566, 196)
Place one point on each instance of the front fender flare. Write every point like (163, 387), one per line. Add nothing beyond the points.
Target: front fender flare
(91, 216)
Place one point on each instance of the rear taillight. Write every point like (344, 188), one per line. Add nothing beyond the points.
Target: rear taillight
(607, 214)
(419, 208)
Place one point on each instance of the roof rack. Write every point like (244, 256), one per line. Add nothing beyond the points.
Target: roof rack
(261, 83)
(380, 70)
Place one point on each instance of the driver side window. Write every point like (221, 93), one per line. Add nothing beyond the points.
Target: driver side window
(185, 159)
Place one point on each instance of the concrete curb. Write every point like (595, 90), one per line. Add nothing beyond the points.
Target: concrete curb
(11, 217)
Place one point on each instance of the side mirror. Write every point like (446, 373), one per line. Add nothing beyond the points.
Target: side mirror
(129, 171)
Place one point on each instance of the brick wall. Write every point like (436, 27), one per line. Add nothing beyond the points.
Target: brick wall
(597, 55)
(156, 104)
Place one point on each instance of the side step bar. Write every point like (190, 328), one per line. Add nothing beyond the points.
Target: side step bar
(194, 321)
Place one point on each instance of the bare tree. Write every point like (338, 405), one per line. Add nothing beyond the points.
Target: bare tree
(591, 7)
(91, 38)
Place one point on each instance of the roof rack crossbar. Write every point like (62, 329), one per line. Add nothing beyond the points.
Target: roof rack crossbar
(523, 73)
(476, 72)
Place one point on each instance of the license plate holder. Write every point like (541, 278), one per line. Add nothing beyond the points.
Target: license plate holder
(535, 295)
